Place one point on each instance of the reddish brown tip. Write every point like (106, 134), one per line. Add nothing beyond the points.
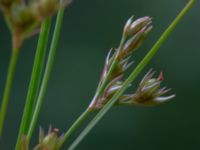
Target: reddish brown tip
(161, 76)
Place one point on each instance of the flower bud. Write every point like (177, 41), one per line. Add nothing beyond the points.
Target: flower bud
(149, 92)
(135, 41)
(134, 34)
(131, 28)
(51, 141)
(108, 92)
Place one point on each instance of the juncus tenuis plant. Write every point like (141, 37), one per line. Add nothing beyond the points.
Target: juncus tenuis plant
(27, 18)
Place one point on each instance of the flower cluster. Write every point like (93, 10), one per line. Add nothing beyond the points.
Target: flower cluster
(24, 17)
(148, 92)
(116, 64)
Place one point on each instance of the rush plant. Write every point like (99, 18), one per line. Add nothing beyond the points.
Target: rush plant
(27, 18)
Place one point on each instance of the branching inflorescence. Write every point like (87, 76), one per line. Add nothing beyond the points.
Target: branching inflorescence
(116, 64)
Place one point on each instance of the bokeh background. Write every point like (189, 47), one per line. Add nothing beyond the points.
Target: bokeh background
(90, 29)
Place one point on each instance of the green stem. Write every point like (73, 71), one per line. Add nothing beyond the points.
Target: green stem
(47, 71)
(35, 80)
(76, 124)
(132, 76)
(10, 76)
(99, 91)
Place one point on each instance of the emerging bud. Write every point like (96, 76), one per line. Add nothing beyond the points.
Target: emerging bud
(109, 91)
(49, 142)
(135, 34)
(132, 27)
(149, 92)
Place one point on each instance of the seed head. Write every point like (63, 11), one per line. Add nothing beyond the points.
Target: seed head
(149, 92)
(134, 34)
(24, 18)
(132, 27)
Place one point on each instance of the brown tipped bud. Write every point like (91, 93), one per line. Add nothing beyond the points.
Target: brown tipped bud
(132, 28)
(149, 92)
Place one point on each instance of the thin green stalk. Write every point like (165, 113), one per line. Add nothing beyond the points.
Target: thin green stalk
(47, 72)
(132, 76)
(99, 91)
(76, 124)
(8, 85)
(35, 80)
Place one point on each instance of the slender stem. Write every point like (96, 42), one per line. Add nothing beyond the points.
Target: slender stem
(76, 124)
(47, 71)
(131, 78)
(10, 76)
(35, 80)
(100, 89)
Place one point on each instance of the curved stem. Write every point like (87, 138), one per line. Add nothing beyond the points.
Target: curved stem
(131, 78)
(47, 72)
(10, 76)
(35, 80)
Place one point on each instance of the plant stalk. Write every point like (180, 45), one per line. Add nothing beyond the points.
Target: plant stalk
(47, 72)
(8, 85)
(99, 91)
(76, 124)
(132, 76)
(35, 80)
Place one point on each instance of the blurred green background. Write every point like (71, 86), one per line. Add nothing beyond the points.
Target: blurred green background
(90, 29)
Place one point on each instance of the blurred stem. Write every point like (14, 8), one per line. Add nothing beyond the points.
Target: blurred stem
(35, 80)
(8, 85)
(47, 72)
(132, 76)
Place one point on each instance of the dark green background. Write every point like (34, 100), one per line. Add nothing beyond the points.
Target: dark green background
(90, 29)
